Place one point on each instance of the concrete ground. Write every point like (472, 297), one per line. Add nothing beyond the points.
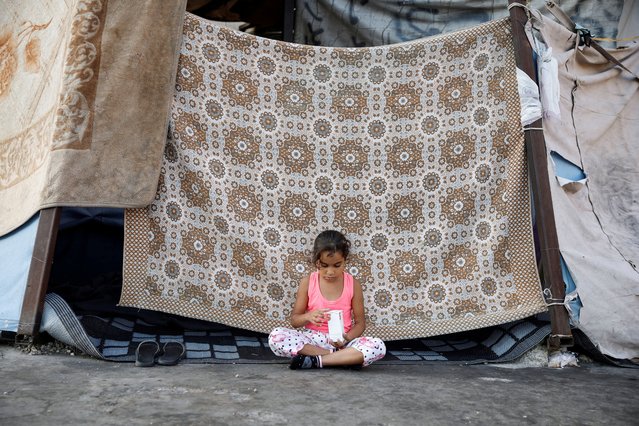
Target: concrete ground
(63, 389)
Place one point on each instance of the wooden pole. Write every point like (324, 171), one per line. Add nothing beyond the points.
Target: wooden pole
(560, 335)
(288, 32)
(39, 273)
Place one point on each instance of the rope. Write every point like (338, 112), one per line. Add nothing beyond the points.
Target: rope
(523, 6)
(511, 5)
(616, 39)
(570, 297)
(583, 35)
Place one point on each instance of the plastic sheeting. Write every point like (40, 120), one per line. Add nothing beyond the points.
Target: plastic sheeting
(358, 23)
(528, 98)
(16, 249)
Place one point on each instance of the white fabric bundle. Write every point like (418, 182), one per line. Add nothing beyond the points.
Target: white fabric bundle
(528, 98)
(548, 82)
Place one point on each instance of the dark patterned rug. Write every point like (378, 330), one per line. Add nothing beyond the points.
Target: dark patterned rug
(115, 338)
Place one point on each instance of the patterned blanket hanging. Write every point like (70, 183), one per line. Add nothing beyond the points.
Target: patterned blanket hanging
(80, 124)
(414, 150)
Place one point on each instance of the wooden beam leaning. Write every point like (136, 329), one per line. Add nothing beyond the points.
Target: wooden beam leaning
(39, 272)
(560, 335)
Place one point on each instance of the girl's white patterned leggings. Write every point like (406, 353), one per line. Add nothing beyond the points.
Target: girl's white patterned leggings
(286, 342)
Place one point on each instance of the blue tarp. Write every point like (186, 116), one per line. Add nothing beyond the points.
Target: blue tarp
(16, 249)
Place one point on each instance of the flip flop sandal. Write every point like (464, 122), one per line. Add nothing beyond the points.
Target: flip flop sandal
(172, 353)
(146, 352)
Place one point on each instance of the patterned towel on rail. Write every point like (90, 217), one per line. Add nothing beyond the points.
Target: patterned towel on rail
(415, 151)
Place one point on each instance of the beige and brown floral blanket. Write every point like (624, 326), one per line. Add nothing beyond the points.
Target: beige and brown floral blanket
(414, 150)
(85, 90)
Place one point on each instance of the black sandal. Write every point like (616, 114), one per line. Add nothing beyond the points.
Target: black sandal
(146, 352)
(172, 353)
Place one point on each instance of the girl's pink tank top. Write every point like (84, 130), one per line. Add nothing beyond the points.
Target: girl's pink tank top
(317, 301)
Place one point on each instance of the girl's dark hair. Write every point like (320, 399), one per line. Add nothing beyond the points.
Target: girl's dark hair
(331, 241)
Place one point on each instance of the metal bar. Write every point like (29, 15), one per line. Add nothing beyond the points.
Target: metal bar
(560, 335)
(39, 272)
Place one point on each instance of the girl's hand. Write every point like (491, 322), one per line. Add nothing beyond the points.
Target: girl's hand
(317, 317)
(339, 344)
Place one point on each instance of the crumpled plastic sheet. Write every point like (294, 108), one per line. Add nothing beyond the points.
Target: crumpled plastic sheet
(561, 359)
(548, 83)
(528, 98)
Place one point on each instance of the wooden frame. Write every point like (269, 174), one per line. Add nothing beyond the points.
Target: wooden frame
(39, 272)
(560, 335)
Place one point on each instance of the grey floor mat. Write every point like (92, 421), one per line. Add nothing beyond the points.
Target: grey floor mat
(116, 338)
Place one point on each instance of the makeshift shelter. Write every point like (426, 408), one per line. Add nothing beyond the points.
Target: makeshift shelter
(186, 73)
(84, 94)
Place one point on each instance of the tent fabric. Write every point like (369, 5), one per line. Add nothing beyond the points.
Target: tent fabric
(597, 215)
(351, 23)
(16, 249)
(628, 23)
(415, 151)
(85, 87)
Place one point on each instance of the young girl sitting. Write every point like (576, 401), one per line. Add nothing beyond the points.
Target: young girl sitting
(329, 288)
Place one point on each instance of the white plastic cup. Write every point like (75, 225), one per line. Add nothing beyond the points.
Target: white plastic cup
(336, 325)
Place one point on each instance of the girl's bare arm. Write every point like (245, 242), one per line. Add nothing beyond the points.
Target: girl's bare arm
(299, 316)
(358, 312)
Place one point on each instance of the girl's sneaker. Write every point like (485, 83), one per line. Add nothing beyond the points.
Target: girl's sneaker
(304, 362)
